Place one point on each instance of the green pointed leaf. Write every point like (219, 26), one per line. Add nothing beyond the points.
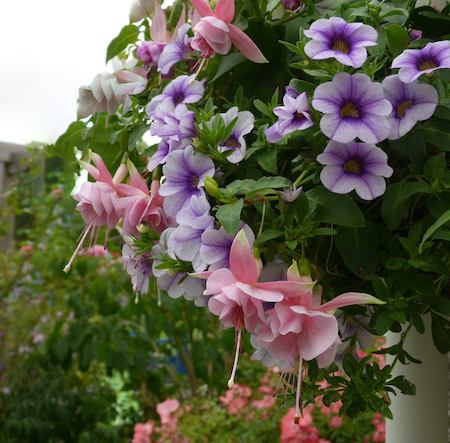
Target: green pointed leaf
(335, 208)
(436, 133)
(440, 330)
(128, 35)
(230, 216)
(137, 134)
(397, 39)
(267, 159)
(384, 322)
(268, 235)
(444, 218)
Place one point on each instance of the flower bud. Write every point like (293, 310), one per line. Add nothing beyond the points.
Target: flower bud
(212, 187)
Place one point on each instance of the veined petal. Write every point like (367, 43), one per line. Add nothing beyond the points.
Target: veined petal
(242, 260)
(202, 7)
(225, 10)
(347, 299)
(246, 45)
(158, 29)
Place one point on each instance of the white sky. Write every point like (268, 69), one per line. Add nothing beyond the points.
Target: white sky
(48, 49)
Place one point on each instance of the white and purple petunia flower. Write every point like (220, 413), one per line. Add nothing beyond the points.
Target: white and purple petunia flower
(176, 51)
(415, 62)
(185, 173)
(236, 142)
(139, 268)
(335, 38)
(294, 115)
(411, 103)
(353, 107)
(355, 166)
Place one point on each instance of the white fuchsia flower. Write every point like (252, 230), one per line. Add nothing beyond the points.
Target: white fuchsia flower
(415, 62)
(355, 166)
(335, 38)
(411, 102)
(353, 107)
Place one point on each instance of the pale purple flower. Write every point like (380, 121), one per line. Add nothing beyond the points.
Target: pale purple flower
(185, 173)
(335, 38)
(294, 115)
(353, 107)
(164, 148)
(176, 51)
(177, 284)
(289, 195)
(415, 62)
(411, 102)
(150, 52)
(236, 142)
(173, 122)
(139, 268)
(355, 166)
(179, 91)
(186, 241)
(216, 245)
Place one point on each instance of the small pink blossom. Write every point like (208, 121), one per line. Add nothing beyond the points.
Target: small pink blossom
(142, 432)
(166, 408)
(335, 421)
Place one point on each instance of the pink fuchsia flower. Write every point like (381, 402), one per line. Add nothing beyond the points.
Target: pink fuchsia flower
(143, 432)
(299, 327)
(166, 409)
(335, 38)
(215, 33)
(353, 107)
(237, 296)
(355, 166)
(411, 102)
(96, 201)
(294, 115)
(415, 62)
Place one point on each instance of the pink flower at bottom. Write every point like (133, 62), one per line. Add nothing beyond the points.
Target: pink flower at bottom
(166, 408)
(142, 432)
(335, 421)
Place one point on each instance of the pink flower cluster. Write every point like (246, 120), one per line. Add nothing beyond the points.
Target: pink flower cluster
(302, 432)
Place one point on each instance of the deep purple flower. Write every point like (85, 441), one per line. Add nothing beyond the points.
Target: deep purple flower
(164, 148)
(139, 268)
(411, 102)
(176, 51)
(357, 166)
(179, 91)
(293, 5)
(150, 52)
(186, 241)
(173, 122)
(236, 141)
(415, 62)
(185, 173)
(294, 115)
(353, 107)
(216, 245)
(335, 38)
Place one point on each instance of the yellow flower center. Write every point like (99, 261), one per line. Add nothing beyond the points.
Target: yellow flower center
(298, 115)
(340, 45)
(349, 110)
(403, 107)
(427, 64)
(352, 166)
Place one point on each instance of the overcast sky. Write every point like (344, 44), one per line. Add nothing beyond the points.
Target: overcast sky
(49, 48)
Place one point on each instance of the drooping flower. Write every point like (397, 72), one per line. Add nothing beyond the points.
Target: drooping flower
(415, 62)
(353, 107)
(294, 115)
(176, 51)
(185, 173)
(411, 102)
(215, 33)
(355, 166)
(299, 327)
(236, 141)
(335, 38)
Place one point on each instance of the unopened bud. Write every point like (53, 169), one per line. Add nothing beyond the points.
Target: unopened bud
(212, 187)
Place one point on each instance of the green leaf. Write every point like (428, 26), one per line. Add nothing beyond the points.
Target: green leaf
(416, 319)
(128, 35)
(380, 287)
(359, 248)
(268, 235)
(302, 86)
(267, 159)
(395, 263)
(435, 167)
(230, 216)
(349, 364)
(324, 231)
(263, 108)
(436, 133)
(397, 39)
(271, 182)
(440, 330)
(439, 304)
(405, 386)
(399, 316)
(137, 134)
(444, 218)
(335, 208)
(384, 322)
(228, 63)
(439, 203)
(396, 201)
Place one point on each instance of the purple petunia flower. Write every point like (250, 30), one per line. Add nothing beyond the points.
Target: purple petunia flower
(415, 62)
(236, 142)
(185, 173)
(176, 51)
(179, 91)
(164, 148)
(353, 107)
(354, 166)
(335, 38)
(139, 268)
(294, 115)
(411, 102)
